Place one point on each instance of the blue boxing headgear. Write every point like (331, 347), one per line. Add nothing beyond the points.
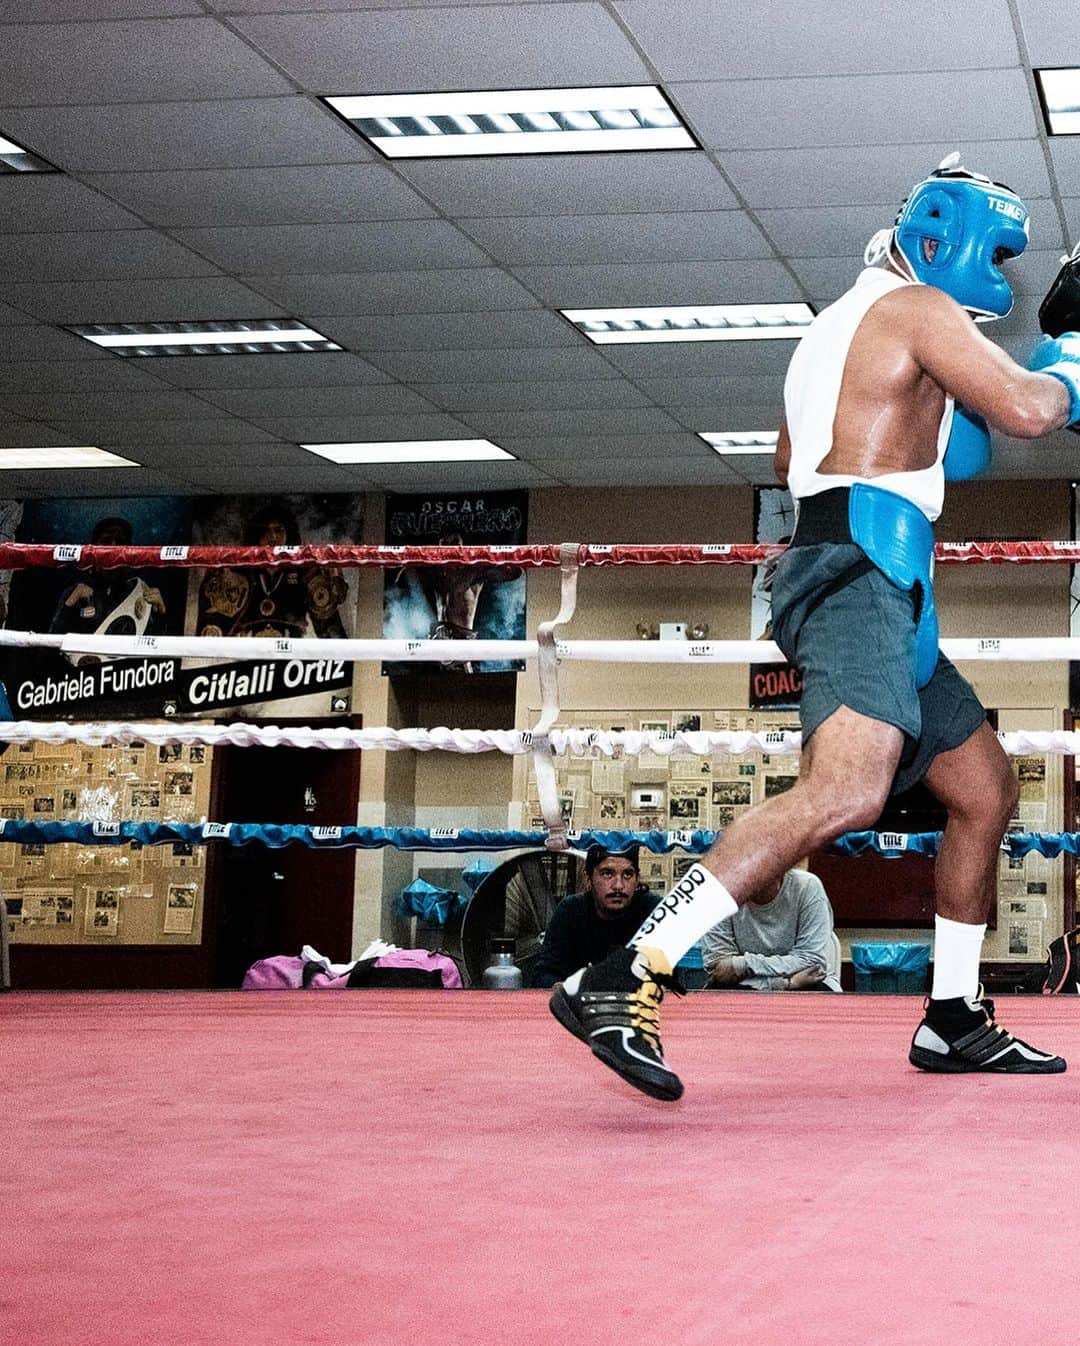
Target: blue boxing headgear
(955, 230)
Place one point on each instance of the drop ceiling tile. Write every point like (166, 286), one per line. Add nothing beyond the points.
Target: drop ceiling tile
(1050, 31)
(500, 475)
(846, 175)
(714, 392)
(404, 244)
(133, 404)
(620, 284)
(854, 110)
(75, 376)
(493, 366)
(509, 46)
(58, 11)
(45, 343)
(313, 194)
(597, 395)
(131, 61)
(234, 133)
(499, 425)
(45, 203)
(546, 450)
(706, 470)
(451, 331)
(316, 475)
(361, 429)
(315, 369)
(107, 483)
(699, 39)
(558, 240)
(127, 435)
(705, 359)
(119, 254)
(574, 184)
(177, 299)
(473, 289)
(370, 400)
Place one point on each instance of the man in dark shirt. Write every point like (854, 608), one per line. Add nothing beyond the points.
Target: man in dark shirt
(586, 926)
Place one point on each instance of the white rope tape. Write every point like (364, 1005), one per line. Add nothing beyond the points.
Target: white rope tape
(987, 649)
(563, 742)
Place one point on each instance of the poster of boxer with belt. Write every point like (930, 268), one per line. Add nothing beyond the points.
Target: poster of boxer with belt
(475, 602)
(290, 601)
(772, 686)
(44, 684)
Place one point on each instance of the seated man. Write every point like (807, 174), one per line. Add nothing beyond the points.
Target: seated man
(586, 926)
(779, 941)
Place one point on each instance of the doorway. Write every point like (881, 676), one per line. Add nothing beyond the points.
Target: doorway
(275, 901)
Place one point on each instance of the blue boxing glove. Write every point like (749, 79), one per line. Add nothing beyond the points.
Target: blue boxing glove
(968, 451)
(1060, 358)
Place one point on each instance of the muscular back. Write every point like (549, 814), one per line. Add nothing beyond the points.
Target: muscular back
(889, 409)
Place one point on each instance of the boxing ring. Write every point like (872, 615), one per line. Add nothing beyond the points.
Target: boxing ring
(433, 1167)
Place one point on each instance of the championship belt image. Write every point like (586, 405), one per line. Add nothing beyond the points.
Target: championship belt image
(130, 617)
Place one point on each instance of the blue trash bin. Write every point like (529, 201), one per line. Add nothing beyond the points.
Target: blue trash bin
(890, 968)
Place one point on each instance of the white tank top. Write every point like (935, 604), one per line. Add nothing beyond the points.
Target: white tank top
(812, 389)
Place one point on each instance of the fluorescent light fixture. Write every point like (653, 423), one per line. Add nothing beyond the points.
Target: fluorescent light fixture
(412, 451)
(52, 459)
(1060, 92)
(14, 159)
(757, 441)
(516, 121)
(716, 322)
(206, 338)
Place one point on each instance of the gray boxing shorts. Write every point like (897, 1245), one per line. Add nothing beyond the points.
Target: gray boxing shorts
(854, 645)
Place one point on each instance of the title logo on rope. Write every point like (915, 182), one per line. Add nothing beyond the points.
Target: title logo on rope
(67, 553)
(285, 551)
(174, 553)
(146, 642)
(955, 546)
(699, 651)
(991, 646)
(283, 646)
(444, 833)
(681, 837)
(215, 830)
(717, 549)
(106, 829)
(773, 738)
(893, 841)
(326, 834)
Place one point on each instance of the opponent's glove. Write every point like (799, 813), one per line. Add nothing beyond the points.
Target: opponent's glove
(968, 451)
(1060, 358)
(1059, 312)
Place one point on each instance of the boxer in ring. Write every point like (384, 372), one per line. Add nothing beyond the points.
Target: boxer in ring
(872, 429)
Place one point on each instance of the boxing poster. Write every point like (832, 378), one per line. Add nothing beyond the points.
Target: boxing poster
(477, 602)
(43, 684)
(298, 602)
(772, 686)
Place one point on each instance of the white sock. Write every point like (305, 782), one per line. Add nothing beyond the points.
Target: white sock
(957, 947)
(696, 903)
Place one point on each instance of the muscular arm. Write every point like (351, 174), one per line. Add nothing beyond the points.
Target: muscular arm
(951, 349)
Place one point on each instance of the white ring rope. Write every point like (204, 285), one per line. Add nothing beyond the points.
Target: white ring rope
(576, 742)
(238, 648)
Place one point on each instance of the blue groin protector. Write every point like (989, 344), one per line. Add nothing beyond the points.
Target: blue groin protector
(896, 535)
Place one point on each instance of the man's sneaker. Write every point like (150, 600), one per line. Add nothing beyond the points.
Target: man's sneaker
(614, 1007)
(966, 1038)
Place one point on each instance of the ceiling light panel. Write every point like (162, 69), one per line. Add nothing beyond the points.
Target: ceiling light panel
(14, 159)
(516, 121)
(717, 322)
(274, 336)
(412, 451)
(763, 441)
(1060, 92)
(53, 459)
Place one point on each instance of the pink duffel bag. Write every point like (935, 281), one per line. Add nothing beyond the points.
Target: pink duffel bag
(401, 968)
